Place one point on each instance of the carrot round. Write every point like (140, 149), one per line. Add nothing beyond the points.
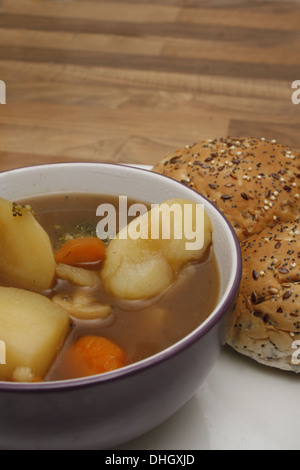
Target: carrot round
(91, 355)
(81, 251)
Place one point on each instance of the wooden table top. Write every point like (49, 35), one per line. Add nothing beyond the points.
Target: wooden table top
(131, 81)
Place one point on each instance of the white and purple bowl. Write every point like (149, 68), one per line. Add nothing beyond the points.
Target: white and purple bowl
(105, 411)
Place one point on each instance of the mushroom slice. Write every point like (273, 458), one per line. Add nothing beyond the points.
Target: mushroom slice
(83, 306)
(79, 276)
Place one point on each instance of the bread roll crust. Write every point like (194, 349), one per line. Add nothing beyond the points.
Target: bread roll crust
(254, 182)
(267, 315)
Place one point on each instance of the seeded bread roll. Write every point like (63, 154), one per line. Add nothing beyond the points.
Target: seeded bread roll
(255, 183)
(266, 326)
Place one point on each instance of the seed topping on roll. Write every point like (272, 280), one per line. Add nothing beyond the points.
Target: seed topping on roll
(254, 182)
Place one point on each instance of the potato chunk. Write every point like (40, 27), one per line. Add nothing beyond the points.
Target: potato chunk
(133, 280)
(33, 330)
(26, 255)
(146, 256)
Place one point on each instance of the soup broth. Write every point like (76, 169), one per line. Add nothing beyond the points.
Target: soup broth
(141, 328)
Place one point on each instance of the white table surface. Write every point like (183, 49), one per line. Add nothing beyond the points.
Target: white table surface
(241, 405)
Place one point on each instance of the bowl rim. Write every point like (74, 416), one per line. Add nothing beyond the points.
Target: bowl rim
(164, 355)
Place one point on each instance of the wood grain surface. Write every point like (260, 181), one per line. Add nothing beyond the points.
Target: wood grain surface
(131, 81)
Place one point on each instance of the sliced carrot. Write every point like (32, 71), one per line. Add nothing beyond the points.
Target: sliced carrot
(37, 379)
(91, 355)
(81, 251)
